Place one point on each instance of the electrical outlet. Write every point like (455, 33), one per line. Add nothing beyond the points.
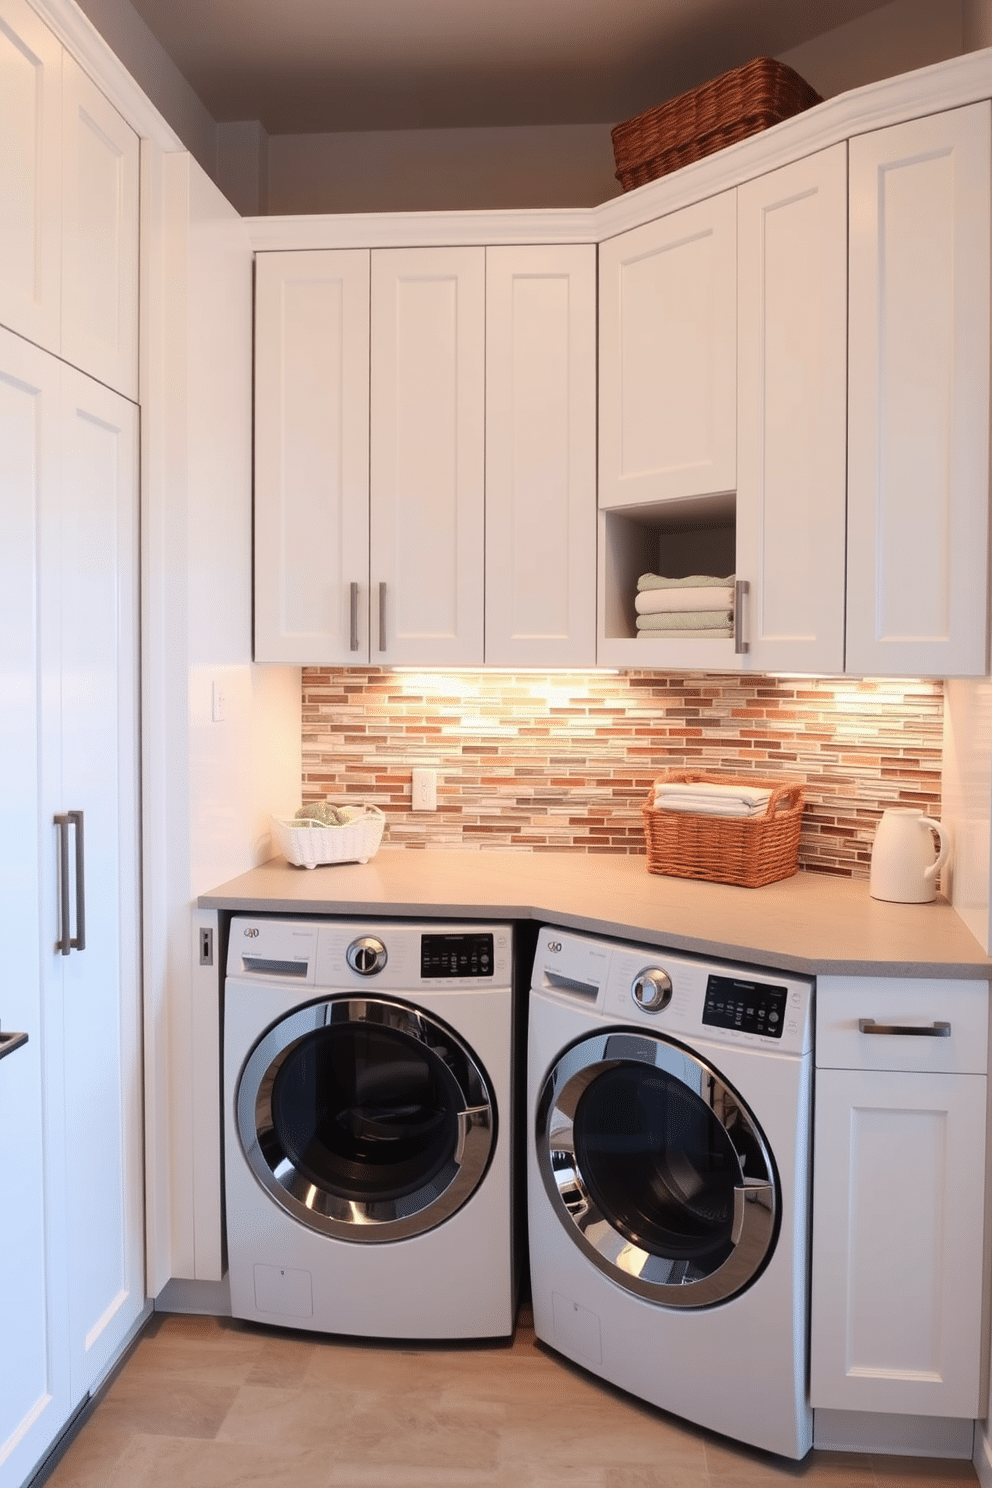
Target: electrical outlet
(423, 790)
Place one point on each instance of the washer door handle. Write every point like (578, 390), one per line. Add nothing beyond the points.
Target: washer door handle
(753, 1191)
(470, 1117)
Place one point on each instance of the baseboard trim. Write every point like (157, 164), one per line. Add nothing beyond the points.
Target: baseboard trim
(894, 1436)
(204, 1297)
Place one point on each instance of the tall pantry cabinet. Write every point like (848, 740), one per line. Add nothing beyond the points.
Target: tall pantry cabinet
(71, 1243)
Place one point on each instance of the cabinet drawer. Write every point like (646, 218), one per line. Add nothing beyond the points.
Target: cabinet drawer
(842, 1003)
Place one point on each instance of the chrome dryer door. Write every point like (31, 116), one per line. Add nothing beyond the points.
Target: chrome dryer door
(365, 1118)
(657, 1169)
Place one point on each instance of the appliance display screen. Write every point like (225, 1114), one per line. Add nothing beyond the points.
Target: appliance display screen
(750, 1007)
(456, 955)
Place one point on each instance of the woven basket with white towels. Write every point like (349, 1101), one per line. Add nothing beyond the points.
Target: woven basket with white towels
(725, 828)
(711, 799)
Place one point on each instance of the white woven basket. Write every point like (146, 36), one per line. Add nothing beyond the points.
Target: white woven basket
(354, 841)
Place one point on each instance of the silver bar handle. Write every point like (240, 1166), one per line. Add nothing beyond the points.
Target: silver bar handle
(66, 941)
(79, 944)
(353, 588)
(63, 944)
(11, 1041)
(741, 587)
(935, 1030)
(382, 616)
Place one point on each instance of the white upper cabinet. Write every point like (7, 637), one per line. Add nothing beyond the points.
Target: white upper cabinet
(69, 222)
(918, 477)
(667, 357)
(312, 457)
(30, 175)
(792, 413)
(99, 235)
(541, 456)
(427, 455)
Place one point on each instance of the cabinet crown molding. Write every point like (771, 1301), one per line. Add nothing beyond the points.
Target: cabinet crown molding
(910, 95)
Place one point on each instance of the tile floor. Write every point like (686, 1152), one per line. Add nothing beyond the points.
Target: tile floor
(211, 1403)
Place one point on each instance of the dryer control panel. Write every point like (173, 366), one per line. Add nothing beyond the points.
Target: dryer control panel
(752, 1007)
(681, 994)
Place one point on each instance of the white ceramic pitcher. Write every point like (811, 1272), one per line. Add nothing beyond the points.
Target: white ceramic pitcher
(904, 865)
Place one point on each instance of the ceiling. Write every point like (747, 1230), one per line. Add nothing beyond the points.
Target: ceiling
(313, 66)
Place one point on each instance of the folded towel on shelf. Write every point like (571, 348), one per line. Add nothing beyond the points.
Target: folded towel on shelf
(710, 799)
(707, 633)
(693, 597)
(692, 581)
(685, 620)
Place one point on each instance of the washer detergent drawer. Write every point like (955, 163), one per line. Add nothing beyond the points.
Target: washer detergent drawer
(899, 1168)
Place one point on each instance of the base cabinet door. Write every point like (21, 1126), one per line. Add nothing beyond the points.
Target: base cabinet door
(899, 1175)
(918, 479)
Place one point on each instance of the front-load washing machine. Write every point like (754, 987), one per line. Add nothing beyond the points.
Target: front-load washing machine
(368, 1126)
(669, 1100)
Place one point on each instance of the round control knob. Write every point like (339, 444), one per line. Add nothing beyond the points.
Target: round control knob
(367, 955)
(652, 990)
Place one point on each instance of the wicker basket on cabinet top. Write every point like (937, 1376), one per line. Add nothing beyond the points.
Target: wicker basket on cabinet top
(748, 851)
(729, 108)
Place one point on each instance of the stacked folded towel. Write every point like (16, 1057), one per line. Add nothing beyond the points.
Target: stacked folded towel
(708, 799)
(700, 605)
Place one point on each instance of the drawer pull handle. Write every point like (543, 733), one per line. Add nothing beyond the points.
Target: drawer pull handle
(936, 1030)
(11, 1041)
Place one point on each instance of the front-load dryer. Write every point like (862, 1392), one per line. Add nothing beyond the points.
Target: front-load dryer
(669, 1101)
(368, 1126)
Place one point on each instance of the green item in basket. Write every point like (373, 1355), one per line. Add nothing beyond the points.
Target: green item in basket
(322, 814)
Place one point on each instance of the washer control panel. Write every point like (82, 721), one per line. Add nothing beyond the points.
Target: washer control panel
(750, 1007)
(457, 955)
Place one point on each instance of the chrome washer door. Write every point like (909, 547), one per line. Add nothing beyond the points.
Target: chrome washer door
(657, 1169)
(365, 1118)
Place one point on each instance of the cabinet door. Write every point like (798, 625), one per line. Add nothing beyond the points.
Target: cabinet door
(918, 480)
(668, 352)
(30, 175)
(898, 1217)
(792, 413)
(93, 994)
(427, 456)
(99, 236)
(312, 458)
(34, 1373)
(541, 456)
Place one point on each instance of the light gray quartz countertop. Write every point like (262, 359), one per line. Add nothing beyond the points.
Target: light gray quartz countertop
(810, 923)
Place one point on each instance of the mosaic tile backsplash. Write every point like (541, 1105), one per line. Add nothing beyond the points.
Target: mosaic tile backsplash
(565, 760)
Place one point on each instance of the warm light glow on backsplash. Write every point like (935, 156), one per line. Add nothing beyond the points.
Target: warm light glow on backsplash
(564, 760)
